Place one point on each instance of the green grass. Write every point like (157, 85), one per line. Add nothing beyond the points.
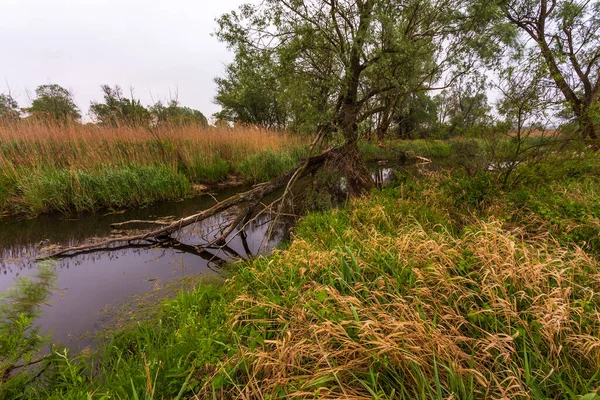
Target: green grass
(32, 192)
(267, 165)
(439, 150)
(442, 286)
(206, 169)
(74, 191)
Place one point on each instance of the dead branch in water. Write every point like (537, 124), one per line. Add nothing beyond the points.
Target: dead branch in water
(138, 221)
(251, 198)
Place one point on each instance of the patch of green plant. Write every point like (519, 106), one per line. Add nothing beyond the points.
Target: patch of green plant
(570, 209)
(472, 191)
(74, 191)
(206, 169)
(391, 151)
(21, 343)
(261, 167)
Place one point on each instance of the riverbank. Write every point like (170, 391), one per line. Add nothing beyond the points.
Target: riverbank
(76, 168)
(70, 169)
(442, 285)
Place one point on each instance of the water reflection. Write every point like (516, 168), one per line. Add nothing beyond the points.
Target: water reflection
(90, 281)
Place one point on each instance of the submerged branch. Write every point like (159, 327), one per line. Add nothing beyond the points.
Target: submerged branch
(252, 198)
(139, 221)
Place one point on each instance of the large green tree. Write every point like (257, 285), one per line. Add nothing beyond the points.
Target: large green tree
(176, 115)
(54, 103)
(416, 114)
(251, 92)
(566, 37)
(344, 57)
(465, 105)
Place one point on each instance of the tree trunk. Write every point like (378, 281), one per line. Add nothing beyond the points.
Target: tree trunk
(350, 162)
(586, 125)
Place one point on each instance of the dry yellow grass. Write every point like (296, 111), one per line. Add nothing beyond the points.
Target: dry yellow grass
(386, 303)
(36, 145)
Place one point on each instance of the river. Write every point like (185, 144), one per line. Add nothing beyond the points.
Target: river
(89, 283)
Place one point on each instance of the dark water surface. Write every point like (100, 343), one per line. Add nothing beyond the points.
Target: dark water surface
(88, 283)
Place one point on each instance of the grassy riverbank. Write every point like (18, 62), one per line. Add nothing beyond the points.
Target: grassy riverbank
(441, 286)
(76, 168)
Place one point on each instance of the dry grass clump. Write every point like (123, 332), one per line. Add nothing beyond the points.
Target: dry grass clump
(37, 145)
(372, 302)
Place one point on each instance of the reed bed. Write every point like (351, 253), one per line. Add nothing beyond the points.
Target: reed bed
(37, 145)
(38, 158)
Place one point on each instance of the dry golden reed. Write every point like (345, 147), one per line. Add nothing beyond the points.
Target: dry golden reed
(401, 309)
(86, 147)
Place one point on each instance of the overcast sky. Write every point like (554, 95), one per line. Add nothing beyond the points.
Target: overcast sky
(154, 46)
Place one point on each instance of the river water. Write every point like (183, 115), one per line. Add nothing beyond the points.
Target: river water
(89, 283)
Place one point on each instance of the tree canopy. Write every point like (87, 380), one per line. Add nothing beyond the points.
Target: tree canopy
(177, 115)
(9, 108)
(119, 110)
(329, 65)
(54, 103)
(565, 44)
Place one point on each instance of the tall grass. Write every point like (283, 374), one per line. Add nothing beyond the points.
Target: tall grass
(406, 294)
(35, 145)
(37, 160)
(269, 164)
(394, 305)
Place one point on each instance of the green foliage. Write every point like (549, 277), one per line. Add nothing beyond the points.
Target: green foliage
(400, 151)
(417, 116)
(118, 110)
(206, 169)
(329, 67)
(473, 191)
(176, 115)
(74, 191)
(250, 93)
(266, 165)
(54, 103)
(9, 109)
(566, 34)
(463, 109)
(20, 340)
(570, 209)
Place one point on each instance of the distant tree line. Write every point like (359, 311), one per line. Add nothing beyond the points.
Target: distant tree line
(53, 103)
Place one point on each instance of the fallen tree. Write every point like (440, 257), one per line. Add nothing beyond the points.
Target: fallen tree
(246, 205)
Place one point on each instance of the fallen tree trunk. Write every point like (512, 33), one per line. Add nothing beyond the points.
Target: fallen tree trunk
(252, 197)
